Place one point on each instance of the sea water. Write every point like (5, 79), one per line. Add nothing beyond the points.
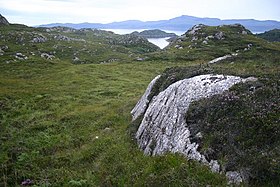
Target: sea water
(160, 42)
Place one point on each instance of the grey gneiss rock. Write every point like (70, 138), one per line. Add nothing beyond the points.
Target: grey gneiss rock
(222, 58)
(3, 20)
(47, 56)
(142, 104)
(164, 128)
(39, 39)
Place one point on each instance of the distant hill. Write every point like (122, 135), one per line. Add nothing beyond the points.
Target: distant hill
(156, 33)
(181, 23)
(272, 35)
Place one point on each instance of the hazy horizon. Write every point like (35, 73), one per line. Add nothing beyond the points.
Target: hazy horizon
(162, 20)
(37, 12)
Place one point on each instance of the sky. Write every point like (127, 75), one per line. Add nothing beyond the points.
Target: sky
(36, 12)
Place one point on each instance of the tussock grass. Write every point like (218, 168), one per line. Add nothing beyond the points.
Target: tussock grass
(66, 125)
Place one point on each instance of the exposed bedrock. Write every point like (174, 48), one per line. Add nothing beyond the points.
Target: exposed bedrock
(164, 129)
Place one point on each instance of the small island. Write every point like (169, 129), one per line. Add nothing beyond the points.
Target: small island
(272, 35)
(155, 33)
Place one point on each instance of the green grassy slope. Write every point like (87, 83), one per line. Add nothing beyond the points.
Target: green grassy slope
(64, 124)
(272, 35)
(78, 46)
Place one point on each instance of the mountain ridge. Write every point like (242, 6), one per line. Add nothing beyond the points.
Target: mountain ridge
(180, 23)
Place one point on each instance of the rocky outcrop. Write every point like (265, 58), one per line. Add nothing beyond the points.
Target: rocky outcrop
(222, 58)
(62, 38)
(39, 39)
(66, 38)
(142, 104)
(200, 36)
(164, 128)
(3, 20)
(194, 30)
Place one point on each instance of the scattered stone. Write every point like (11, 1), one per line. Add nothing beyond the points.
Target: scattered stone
(113, 60)
(47, 56)
(209, 37)
(20, 56)
(107, 129)
(27, 182)
(194, 38)
(62, 38)
(4, 47)
(219, 59)
(61, 29)
(205, 42)
(39, 39)
(198, 135)
(219, 35)
(234, 177)
(76, 59)
(214, 165)
(140, 59)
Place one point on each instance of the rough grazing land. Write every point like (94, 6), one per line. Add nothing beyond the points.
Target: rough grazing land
(66, 96)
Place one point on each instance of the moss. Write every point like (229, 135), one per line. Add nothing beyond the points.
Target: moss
(241, 127)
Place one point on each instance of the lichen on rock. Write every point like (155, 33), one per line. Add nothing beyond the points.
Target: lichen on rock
(142, 104)
(164, 129)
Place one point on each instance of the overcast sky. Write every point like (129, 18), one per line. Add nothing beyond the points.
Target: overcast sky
(35, 12)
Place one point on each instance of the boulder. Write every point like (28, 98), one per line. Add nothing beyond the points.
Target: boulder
(219, 35)
(47, 56)
(20, 56)
(142, 104)
(163, 127)
(219, 59)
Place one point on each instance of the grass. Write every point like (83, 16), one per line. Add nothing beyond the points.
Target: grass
(66, 125)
